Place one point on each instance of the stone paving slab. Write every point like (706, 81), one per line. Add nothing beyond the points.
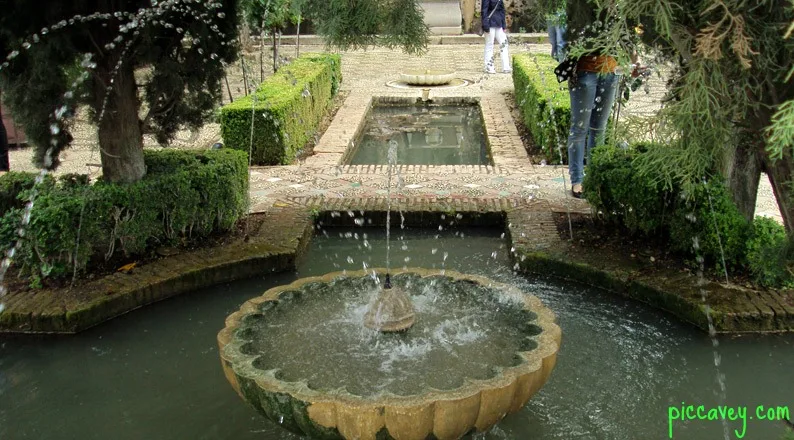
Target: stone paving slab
(466, 39)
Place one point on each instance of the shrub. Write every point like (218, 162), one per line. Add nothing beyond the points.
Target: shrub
(13, 184)
(707, 213)
(185, 194)
(614, 188)
(768, 254)
(642, 203)
(287, 108)
(537, 93)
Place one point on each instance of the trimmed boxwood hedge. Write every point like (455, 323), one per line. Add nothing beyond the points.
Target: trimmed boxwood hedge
(614, 186)
(185, 194)
(702, 221)
(536, 94)
(287, 109)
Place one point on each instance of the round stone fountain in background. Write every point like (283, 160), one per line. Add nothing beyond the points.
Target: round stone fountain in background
(302, 356)
(427, 77)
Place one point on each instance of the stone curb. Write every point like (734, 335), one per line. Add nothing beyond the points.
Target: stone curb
(734, 309)
(57, 311)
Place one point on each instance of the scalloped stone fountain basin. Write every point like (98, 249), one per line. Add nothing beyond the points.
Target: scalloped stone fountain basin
(301, 355)
(427, 77)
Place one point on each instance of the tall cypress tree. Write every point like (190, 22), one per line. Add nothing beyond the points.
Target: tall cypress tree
(180, 44)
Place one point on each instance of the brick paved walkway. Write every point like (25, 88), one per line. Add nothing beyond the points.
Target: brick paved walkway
(366, 74)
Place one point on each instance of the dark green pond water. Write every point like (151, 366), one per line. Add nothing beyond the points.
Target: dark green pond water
(155, 373)
(424, 135)
(316, 334)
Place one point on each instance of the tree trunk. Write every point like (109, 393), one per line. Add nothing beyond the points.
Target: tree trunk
(781, 175)
(275, 53)
(119, 130)
(298, 45)
(262, 54)
(245, 37)
(743, 171)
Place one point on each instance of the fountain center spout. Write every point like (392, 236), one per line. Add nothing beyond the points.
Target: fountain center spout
(392, 310)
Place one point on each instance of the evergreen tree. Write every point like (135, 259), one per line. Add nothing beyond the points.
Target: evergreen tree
(152, 67)
(355, 24)
(731, 63)
(270, 16)
(163, 58)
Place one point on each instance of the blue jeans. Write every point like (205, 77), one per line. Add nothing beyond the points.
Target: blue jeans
(557, 40)
(592, 96)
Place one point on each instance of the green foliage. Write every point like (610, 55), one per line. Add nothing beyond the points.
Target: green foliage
(186, 194)
(768, 254)
(700, 220)
(362, 23)
(730, 81)
(287, 109)
(622, 195)
(781, 132)
(182, 48)
(551, 6)
(14, 183)
(706, 222)
(538, 96)
(264, 15)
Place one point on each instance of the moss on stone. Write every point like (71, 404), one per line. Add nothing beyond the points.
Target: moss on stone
(731, 309)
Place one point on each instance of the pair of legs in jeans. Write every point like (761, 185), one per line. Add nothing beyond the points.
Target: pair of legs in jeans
(501, 38)
(557, 40)
(592, 95)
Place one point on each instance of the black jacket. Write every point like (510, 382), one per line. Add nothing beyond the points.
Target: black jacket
(497, 20)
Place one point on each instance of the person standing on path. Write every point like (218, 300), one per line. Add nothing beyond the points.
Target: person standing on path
(493, 26)
(593, 84)
(555, 24)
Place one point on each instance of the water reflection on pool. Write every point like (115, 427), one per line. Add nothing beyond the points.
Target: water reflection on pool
(155, 373)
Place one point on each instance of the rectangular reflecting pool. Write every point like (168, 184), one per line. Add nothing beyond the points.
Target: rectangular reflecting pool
(426, 134)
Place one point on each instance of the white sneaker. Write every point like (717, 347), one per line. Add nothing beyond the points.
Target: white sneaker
(508, 71)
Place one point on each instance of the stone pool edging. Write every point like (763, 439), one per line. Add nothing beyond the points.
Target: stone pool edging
(734, 309)
(477, 404)
(275, 246)
(337, 144)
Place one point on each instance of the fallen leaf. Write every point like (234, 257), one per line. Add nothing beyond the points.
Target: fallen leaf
(127, 267)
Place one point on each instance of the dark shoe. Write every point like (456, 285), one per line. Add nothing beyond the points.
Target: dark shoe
(576, 194)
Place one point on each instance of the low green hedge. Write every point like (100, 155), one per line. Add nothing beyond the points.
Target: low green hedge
(287, 109)
(708, 215)
(537, 92)
(769, 254)
(13, 183)
(185, 194)
(614, 187)
(703, 222)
